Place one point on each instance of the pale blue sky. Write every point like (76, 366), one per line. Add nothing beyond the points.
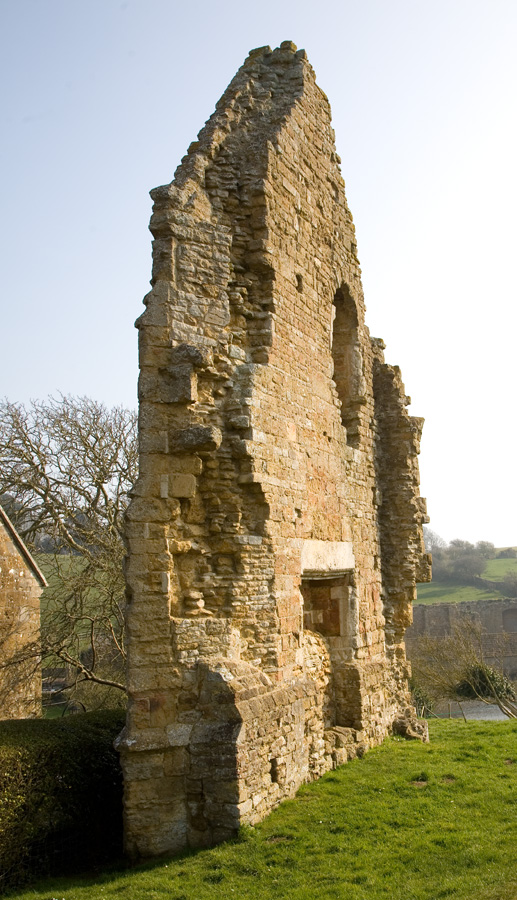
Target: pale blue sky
(102, 98)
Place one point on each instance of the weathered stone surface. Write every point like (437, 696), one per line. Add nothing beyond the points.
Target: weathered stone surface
(21, 584)
(410, 727)
(276, 523)
(196, 438)
(182, 485)
(327, 557)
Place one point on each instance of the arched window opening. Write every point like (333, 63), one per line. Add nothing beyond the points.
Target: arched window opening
(348, 364)
(510, 620)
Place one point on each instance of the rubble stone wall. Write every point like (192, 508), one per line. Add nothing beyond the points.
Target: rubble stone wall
(277, 470)
(496, 618)
(21, 584)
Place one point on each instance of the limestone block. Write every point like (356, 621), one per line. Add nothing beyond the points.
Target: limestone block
(178, 735)
(226, 733)
(326, 557)
(195, 438)
(141, 766)
(182, 485)
(174, 385)
(188, 354)
(176, 761)
(186, 465)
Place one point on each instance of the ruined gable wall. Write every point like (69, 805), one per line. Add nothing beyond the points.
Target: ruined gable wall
(252, 450)
(317, 485)
(191, 386)
(211, 282)
(200, 565)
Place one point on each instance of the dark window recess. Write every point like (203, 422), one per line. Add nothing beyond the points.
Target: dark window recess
(510, 620)
(348, 366)
(322, 601)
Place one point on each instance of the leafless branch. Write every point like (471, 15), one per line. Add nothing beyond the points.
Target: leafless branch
(450, 667)
(66, 467)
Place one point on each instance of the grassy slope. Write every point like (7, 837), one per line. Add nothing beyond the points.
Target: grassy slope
(407, 822)
(496, 569)
(452, 592)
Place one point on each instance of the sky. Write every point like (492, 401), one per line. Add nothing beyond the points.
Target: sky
(101, 100)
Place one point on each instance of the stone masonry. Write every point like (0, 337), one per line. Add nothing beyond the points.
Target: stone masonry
(496, 619)
(275, 531)
(21, 584)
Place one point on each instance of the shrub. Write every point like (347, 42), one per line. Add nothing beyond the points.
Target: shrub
(510, 585)
(467, 567)
(422, 701)
(60, 795)
(483, 681)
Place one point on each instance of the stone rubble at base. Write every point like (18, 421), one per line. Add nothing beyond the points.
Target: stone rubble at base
(275, 531)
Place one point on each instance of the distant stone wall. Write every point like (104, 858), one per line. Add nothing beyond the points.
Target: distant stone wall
(497, 618)
(275, 531)
(21, 584)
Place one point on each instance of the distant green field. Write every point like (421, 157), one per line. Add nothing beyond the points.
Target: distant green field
(452, 592)
(442, 592)
(496, 569)
(67, 562)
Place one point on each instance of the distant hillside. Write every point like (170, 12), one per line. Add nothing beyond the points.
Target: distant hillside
(470, 589)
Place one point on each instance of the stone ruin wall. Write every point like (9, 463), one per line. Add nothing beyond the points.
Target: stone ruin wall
(275, 530)
(496, 619)
(21, 584)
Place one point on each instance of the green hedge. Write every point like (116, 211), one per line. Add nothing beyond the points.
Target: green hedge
(60, 795)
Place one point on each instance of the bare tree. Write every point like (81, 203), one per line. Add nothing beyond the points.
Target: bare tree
(66, 467)
(433, 541)
(454, 667)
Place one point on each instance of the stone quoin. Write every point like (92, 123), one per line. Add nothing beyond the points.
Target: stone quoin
(275, 531)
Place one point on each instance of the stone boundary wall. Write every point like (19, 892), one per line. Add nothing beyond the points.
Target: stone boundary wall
(498, 619)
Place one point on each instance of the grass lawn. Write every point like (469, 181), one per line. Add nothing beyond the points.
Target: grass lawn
(407, 822)
(452, 592)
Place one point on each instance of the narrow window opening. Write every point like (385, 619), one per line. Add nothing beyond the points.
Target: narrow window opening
(347, 359)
